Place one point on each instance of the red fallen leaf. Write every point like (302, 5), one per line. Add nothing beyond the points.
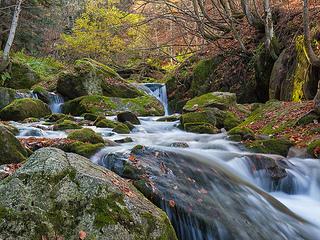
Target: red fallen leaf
(82, 235)
(132, 158)
(172, 203)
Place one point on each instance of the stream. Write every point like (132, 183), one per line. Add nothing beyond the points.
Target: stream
(218, 192)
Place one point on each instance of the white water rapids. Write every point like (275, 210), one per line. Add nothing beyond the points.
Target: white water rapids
(302, 197)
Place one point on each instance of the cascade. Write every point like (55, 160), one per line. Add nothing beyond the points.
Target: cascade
(159, 91)
(55, 102)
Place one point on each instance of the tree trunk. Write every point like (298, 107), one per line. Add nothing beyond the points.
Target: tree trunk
(268, 24)
(14, 25)
(314, 59)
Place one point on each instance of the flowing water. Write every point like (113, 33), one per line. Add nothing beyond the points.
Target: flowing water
(239, 203)
(55, 102)
(159, 91)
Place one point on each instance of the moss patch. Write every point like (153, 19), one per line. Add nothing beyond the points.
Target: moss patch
(271, 146)
(65, 125)
(86, 135)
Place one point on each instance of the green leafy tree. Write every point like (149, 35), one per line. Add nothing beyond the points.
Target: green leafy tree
(105, 33)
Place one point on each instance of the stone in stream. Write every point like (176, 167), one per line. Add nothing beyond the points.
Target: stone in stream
(128, 117)
(21, 109)
(11, 150)
(57, 195)
(205, 200)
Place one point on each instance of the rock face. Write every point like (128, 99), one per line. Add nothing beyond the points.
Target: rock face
(11, 151)
(8, 95)
(141, 106)
(21, 109)
(220, 100)
(22, 76)
(91, 78)
(58, 195)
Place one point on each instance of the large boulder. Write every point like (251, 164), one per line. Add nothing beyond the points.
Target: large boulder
(128, 117)
(8, 95)
(86, 135)
(22, 76)
(93, 78)
(57, 195)
(141, 106)
(11, 151)
(21, 109)
(220, 100)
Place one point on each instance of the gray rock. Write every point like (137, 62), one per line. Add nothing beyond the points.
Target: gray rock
(55, 195)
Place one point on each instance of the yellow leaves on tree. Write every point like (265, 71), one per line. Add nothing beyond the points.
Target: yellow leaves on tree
(105, 33)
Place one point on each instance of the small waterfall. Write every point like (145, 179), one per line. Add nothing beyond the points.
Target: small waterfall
(159, 91)
(29, 94)
(55, 102)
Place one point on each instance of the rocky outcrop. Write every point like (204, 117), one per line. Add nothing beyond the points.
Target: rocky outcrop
(8, 95)
(21, 109)
(61, 195)
(93, 78)
(141, 106)
(11, 151)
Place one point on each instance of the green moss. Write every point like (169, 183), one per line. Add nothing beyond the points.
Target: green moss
(309, 118)
(85, 149)
(312, 147)
(300, 76)
(137, 149)
(271, 146)
(21, 109)
(111, 210)
(200, 127)
(215, 99)
(121, 128)
(230, 121)
(106, 123)
(58, 117)
(65, 125)
(90, 116)
(206, 116)
(241, 133)
(86, 135)
(142, 106)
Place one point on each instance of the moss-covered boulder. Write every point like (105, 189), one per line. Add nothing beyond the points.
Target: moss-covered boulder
(90, 116)
(241, 133)
(86, 135)
(121, 128)
(68, 195)
(314, 148)
(58, 117)
(270, 146)
(22, 76)
(85, 149)
(92, 78)
(66, 125)
(200, 128)
(11, 151)
(21, 109)
(106, 123)
(220, 100)
(97, 104)
(42, 94)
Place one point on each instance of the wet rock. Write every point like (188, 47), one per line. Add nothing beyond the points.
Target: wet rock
(66, 125)
(90, 116)
(171, 118)
(220, 100)
(21, 109)
(96, 104)
(128, 117)
(124, 140)
(271, 146)
(121, 128)
(11, 150)
(56, 117)
(295, 152)
(241, 134)
(179, 145)
(86, 135)
(69, 194)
